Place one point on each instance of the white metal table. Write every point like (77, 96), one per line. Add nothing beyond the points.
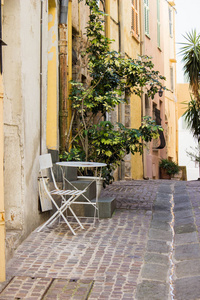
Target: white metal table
(97, 178)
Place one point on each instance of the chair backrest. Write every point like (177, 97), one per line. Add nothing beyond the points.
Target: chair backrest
(45, 161)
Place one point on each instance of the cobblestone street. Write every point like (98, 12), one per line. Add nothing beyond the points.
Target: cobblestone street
(125, 257)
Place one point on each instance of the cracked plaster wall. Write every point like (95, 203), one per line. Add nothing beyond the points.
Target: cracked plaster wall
(21, 23)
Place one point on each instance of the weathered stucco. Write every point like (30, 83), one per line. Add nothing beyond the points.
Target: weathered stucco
(21, 23)
(2, 206)
(121, 15)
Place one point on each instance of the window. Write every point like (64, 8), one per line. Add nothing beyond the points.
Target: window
(147, 105)
(170, 22)
(134, 26)
(158, 23)
(146, 16)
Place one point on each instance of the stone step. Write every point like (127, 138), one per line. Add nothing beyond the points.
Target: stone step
(107, 206)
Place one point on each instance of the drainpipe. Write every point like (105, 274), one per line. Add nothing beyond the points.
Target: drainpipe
(107, 25)
(121, 112)
(121, 107)
(63, 112)
(69, 78)
(41, 37)
(2, 212)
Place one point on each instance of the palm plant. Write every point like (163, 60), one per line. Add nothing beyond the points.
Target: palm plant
(191, 59)
(192, 118)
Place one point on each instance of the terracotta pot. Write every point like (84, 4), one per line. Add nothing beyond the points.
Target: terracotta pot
(163, 174)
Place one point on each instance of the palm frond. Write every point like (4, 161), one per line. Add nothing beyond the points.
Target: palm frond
(192, 117)
(190, 52)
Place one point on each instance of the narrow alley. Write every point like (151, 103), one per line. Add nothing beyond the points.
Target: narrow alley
(149, 249)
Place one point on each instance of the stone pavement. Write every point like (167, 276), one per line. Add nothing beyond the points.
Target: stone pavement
(148, 250)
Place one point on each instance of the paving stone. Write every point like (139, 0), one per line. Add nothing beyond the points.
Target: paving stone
(152, 290)
(186, 252)
(163, 216)
(157, 246)
(182, 206)
(180, 187)
(160, 225)
(185, 228)
(187, 288)
(186, 238)
(162, 206)
(165, 188)
(163, 197)
(183, 213)
(154, 272)
(188, 268)
(184, 221)
(181, 196)
(158, 234)
(156, 258)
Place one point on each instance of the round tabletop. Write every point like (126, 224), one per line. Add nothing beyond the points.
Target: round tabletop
(80, 164)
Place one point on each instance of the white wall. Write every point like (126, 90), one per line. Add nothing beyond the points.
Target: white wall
(21, 63)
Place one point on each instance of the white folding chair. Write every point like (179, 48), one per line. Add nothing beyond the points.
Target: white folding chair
(45, 162)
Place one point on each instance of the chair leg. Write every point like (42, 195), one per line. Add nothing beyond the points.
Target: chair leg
(76, 217)
(60, 211)
(56, 215)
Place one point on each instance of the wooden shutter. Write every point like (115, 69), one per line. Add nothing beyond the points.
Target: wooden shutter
(135, 18)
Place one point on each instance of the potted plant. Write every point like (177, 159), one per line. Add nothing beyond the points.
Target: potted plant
(168, 168)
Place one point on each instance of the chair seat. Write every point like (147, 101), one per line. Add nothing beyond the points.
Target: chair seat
(66, 192)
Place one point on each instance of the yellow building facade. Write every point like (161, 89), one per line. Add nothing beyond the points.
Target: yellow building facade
(126, 35)
(137, 28)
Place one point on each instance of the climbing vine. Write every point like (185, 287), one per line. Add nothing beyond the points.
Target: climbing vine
(111, 75)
